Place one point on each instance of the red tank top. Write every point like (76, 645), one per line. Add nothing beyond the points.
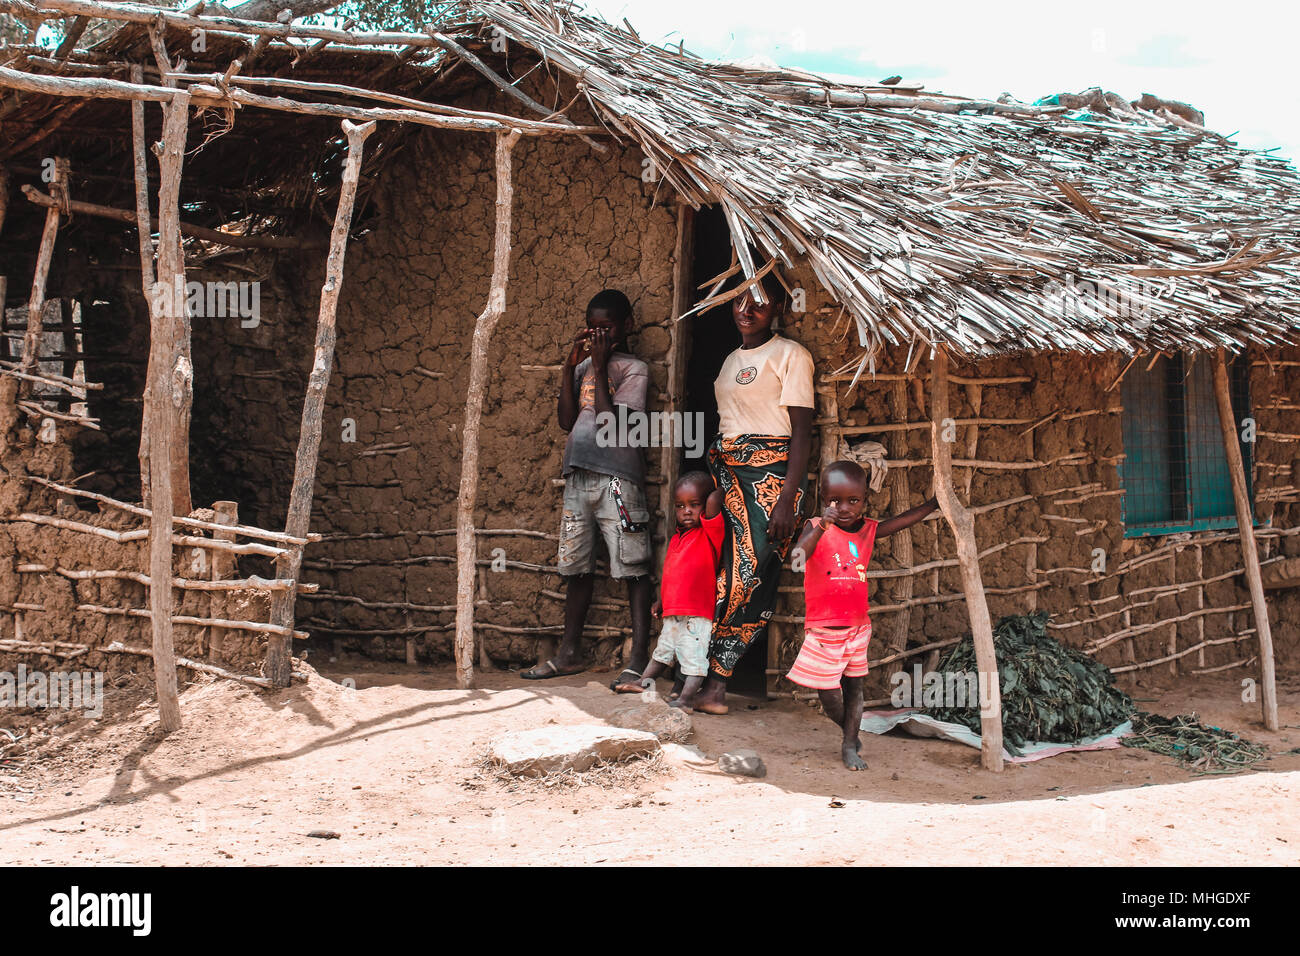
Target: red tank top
(835, 577)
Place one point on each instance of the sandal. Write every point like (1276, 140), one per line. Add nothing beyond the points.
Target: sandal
(540, 672)
(629, 679)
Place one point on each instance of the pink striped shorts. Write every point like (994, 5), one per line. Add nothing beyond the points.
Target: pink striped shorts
(829, 654)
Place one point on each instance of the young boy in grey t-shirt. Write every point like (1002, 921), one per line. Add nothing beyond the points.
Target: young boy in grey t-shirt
(604, 482)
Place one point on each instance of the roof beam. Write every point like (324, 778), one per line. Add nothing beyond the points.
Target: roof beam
(135, 13)
(203, 95)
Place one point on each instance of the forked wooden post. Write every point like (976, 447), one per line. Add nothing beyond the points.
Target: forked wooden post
(163, 404)
(279, 649)
(466, 550)
(36, 302)
(963, 528)
(1249, 550)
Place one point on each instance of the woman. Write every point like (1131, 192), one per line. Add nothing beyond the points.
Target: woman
(760, 461)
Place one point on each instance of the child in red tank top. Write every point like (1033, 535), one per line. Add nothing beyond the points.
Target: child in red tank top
(835, 550)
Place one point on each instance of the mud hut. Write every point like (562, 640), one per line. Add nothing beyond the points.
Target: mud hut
(1075, 320)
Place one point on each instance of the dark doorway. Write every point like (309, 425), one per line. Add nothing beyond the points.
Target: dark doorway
(713, 337)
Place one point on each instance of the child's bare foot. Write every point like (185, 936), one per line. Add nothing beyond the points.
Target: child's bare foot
(849, 753)
(690, 693)
(712, 698)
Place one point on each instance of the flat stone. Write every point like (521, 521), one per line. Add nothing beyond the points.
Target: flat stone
(555, 749)
(685, 754)
(743, 763)
(652, 715)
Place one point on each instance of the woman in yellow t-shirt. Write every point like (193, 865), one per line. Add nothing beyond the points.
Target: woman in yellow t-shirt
(760, 461)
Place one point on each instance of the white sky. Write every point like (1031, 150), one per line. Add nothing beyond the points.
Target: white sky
(1236, 62)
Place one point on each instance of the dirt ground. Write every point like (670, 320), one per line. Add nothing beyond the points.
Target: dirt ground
(395, 766)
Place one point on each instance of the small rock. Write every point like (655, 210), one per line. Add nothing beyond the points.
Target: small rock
(667, 723)
(554, 749)
(685, 753)
(323, 834)
(744, 763)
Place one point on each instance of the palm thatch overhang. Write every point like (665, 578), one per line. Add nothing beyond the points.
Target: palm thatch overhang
(935, 220)
(960, 222)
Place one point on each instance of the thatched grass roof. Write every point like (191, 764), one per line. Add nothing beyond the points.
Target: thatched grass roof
(1091, 225)
(958, 220)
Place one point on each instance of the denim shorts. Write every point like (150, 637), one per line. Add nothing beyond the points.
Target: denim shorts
(591, 512)
(686, 641)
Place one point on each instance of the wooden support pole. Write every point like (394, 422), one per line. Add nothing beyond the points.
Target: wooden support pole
(162, 407)
(44, 255)
(901, 543)
(478, 377)
(144, 227)
(679, 344)
(1249, 550)
(963, 529)
(178, 376)
(279, 651)
(223, 566)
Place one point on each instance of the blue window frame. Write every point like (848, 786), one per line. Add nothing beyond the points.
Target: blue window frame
(1174, 472)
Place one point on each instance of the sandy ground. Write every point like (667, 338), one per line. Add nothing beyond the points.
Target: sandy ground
(395, 767)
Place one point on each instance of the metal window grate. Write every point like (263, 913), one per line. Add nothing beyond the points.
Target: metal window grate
(1175, 473)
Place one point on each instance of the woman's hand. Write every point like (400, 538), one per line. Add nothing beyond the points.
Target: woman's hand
(781, 525)
(657, 609)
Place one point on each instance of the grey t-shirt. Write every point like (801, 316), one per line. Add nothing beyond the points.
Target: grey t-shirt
(606, 450)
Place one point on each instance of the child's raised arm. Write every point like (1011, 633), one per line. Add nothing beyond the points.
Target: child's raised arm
(906, 519)
(812, 533)
(713, 506)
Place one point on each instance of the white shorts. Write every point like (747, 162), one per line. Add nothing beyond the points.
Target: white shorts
(686, 640)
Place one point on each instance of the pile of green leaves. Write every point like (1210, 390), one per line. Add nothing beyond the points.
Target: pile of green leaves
(1201, 748)
(1049, 692)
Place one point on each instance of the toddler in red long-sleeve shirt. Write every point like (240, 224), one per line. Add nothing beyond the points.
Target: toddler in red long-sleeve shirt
(688, 591)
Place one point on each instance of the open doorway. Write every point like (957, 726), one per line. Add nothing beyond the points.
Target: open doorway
(713, 337)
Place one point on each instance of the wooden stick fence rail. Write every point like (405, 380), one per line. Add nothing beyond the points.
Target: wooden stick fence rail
(600, 630)
(119, 648)
(142, 534)
(246, 530)
(1197, 648)
(196, 621)
(63, 650)
(252, 582)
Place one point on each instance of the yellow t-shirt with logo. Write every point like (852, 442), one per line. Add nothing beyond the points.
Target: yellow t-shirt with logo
(757, 387)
